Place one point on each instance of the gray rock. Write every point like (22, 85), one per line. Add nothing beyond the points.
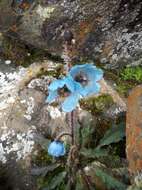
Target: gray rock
(108, 31)
(17, 133)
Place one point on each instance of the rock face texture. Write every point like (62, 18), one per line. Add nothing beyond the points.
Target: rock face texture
(109, 31)
(134, 130)
(18, 105)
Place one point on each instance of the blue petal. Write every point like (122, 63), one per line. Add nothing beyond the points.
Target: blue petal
(78, 87)
(94, 74)
(88, 69)
(77, 68)
(70, 102)
(56, 149)
(99, 75)
(92, 88)
(52, 96)
(56, 84)
(70, 83)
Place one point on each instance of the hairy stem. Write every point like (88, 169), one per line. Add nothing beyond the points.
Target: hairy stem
(86, 180)
(72, 127)
(61, 135)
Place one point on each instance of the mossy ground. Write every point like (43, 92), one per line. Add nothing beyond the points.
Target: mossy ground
(97, 104)
(24, 55)
(125, 79)
(132, 74)
(129, 78)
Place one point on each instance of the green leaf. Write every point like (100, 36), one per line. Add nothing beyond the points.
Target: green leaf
(43, 142)
(57, 180)
(79, 186)
(134, 187)
(111, 182)
(86, 133)
(82, 182)
(79, 183)
(94, 153)
(113, 135)
(44, 170)
(67, 187)
(85, 129)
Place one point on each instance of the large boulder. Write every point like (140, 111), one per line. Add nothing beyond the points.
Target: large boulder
(108, 31)
(133, 131)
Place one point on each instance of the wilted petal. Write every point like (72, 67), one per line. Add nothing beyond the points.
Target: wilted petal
(70, 102)
(52, 96)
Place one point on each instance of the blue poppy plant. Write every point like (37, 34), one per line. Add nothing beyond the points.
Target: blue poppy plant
(56, 149)
(81, 81)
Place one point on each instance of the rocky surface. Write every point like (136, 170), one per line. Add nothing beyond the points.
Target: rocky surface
(108, 31)
(25, 118)
(18, 104)
(133, 130)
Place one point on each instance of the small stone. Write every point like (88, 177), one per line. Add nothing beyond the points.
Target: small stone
(8, 62)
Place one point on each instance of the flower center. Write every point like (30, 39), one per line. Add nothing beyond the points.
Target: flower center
(64, 92)
(81, 78)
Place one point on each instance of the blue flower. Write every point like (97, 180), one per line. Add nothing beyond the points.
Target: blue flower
(89, 75)
(57, 84)
(56, 149)
(86, 79)
(73, 87)
(81, 81)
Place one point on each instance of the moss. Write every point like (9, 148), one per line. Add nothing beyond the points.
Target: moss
(41, 182)
(56, 73)
(21, 54)
(125, 79)
(132, 74)
(42, 158)
(97, 104)
(124, 88)
(15, 51)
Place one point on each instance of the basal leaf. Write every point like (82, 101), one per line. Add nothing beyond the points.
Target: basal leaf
(44, 170)
(94, 153)
(43, 142)
(86, 129)
(113, 135)
(82, 182)
(57, 180)
(79, 183)
(109, 181)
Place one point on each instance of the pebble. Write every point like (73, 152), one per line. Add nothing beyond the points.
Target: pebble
(7, 62)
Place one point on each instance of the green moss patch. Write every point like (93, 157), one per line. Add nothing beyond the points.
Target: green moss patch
(97, 104)
(132, 74)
